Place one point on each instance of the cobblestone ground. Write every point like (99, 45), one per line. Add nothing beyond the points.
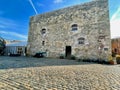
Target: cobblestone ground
(56, 75)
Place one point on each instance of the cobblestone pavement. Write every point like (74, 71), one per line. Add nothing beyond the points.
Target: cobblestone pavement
(56, 75)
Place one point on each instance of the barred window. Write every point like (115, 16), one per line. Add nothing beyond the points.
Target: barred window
(81, 40)
(74, 27)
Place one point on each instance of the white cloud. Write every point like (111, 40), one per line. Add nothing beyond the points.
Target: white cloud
(58, 1)
(115, 24)
(116, 15)
(6, 23)
(33, 6)
(40, 4)
(10, 35)
(115, 28)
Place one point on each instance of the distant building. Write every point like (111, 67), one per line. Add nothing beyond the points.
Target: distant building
(12, 41)
(81, 30)
(16, 48)
(116, 45)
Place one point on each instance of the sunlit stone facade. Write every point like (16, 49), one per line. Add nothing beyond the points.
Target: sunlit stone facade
(81, 30)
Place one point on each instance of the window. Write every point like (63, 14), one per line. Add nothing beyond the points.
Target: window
(19, 50)
(74, 27)
(43, 43)
(81, 40)
(43, 31)
(105, 49)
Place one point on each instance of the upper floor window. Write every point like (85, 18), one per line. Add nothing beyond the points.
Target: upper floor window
(43, 31)
(81, 40)
(74, 27)
(43, 43)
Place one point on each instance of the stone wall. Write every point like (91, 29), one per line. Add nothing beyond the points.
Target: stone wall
(92, 20)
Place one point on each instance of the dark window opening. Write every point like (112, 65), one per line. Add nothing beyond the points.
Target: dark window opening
(43, 31)
(19, 50)
(43, 43)
(81, 40)
(74, 27)
(106, 49)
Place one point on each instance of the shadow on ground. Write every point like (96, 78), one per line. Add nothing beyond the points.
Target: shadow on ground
(7, 62)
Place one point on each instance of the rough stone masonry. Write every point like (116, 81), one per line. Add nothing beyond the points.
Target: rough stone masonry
(80, 30)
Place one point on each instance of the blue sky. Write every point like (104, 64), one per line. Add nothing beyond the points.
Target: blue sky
(14, 15)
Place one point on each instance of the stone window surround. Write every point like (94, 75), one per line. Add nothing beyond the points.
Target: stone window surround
(74, 27)
(43, 31)
(81, 40)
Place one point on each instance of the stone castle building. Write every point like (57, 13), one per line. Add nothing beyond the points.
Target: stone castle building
(81, 30)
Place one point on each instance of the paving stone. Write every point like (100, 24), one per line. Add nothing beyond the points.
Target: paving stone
(54, 75)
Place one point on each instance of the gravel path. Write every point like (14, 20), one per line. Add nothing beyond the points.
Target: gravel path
(57, 75)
